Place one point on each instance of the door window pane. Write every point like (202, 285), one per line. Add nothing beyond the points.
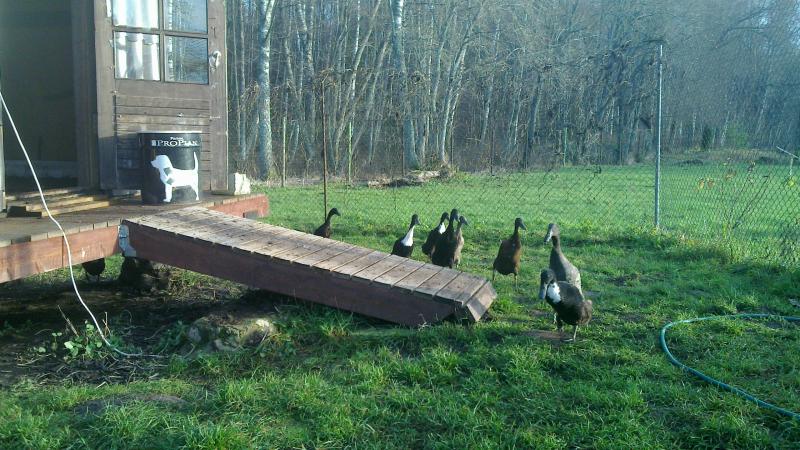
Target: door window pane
(187, 60)
(135, 13)
(136, 56)
(186, 15)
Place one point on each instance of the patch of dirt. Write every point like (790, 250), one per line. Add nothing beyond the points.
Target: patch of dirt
(552, 337)
(98, 406)
(31, 314)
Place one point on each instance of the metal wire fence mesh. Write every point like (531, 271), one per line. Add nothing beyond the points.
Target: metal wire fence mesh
(586, 154)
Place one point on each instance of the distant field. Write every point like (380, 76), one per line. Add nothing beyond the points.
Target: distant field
(330, 379)
(748, 212)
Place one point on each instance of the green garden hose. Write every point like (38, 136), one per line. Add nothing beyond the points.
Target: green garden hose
(718, 383)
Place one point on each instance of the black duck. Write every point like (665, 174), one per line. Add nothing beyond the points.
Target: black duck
(405, 245)
(566, 300)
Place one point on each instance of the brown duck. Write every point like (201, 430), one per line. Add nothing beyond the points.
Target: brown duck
(459, 240)
(510, 253)
(324, 230)
(565, 270)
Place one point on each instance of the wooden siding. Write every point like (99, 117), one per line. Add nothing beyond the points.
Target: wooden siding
(134, 114)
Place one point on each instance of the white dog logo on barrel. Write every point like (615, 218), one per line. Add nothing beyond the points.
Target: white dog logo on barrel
(173, 178)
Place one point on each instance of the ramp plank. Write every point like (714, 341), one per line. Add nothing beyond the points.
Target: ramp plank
(419, 276)
(315, 269)
(399, 272)
(435, 283)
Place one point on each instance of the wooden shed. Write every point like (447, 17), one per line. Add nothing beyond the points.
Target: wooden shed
(83, 77)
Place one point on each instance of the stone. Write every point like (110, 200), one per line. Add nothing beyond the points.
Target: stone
(228, 333)
(238, 184)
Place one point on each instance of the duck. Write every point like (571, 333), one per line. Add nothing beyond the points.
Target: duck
(459, 240)
(565, 270)
(444, 250)
(433, 235)
(405, 245)
(509, 253)
(93, 269)
(324, 230)
(567, 301)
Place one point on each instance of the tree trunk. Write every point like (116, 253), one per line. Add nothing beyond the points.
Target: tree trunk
(265, 8)
(409, 152)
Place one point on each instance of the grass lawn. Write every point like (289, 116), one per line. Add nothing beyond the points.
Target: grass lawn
(334, 380)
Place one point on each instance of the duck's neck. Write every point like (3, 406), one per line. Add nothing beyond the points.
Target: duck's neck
(328, 218)
(556, 242)
(515, 236)
(408, 239)
(458, 228)
(441, 227)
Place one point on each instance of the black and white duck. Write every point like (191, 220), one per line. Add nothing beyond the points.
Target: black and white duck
(510, 253)
(445, 249)
(566, 300)
(405, 245)
(324, 230)
(564, 270)
(93, 269)
(434, 234)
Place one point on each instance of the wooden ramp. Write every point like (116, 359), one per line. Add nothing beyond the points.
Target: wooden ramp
(308, 267)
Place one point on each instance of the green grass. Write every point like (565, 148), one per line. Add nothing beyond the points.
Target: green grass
(336, 380)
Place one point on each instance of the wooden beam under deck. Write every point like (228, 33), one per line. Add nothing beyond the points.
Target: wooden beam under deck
(38, 247)
(308, 267)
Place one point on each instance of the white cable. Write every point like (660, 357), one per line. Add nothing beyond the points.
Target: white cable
(64, 235)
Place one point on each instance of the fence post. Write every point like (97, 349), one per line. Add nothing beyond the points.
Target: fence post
(658, 142)
(324, 156)
(283, 147)
(491, 155)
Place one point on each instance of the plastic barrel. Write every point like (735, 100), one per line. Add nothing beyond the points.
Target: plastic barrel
(171, 166)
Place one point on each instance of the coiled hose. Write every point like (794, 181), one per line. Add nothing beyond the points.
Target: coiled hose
(718, 383)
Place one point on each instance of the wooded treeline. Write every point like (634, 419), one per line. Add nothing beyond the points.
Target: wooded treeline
(390, 85)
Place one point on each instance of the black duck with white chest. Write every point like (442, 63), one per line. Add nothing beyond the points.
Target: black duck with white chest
(565, 270)
(445, 249)
(566, 300)
(405, 245)
(434, 235)
(324, 230)
(510, 253)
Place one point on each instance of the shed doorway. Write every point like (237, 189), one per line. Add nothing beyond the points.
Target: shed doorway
(37, 81)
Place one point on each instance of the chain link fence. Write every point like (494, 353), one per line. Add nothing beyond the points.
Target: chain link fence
(730, 129)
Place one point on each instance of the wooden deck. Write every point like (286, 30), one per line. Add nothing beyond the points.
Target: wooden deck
(308, 267)
(30, 245)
